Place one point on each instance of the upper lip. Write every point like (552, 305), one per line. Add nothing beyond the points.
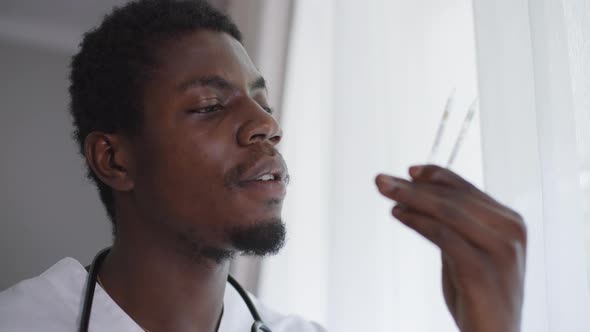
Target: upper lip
(274, 166)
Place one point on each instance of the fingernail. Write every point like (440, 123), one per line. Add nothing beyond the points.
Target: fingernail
(416, 171)
(389, 182)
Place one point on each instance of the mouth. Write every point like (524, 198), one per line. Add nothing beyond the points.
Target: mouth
(267, 179)
(266, 189)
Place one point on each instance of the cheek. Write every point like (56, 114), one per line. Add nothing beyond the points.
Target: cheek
(185, 178)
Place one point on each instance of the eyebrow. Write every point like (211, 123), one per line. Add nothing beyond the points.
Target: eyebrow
(220, 83)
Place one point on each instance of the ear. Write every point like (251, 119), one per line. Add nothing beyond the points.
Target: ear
(109, 157)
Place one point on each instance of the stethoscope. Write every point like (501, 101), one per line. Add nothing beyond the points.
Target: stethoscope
(258, 325)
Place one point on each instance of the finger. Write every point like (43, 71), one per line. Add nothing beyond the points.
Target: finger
(504, 221)
(506, 225)
(454, 246)
(440, 208)
(448, 283)
(445, 177)
(438, 175)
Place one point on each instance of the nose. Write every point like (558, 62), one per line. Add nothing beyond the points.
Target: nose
(259, 126)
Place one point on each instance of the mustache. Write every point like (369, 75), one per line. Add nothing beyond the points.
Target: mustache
(233, 176)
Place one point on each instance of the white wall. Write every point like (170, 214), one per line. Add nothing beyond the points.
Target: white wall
(48, 210)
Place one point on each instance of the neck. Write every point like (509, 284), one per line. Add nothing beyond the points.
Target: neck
(161, 288)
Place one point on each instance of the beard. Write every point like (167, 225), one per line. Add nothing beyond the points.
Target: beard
(261, 239)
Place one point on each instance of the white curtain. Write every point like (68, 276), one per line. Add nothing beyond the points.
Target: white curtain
(529, 143)
(577, 14)
(365, 91)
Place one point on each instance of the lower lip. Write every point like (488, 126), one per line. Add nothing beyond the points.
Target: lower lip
(275, 189)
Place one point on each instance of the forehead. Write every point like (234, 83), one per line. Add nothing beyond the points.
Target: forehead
(204, 53)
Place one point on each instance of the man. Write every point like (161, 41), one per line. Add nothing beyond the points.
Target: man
(173, 120)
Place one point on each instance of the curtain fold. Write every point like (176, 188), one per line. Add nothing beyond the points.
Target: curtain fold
(530, 157)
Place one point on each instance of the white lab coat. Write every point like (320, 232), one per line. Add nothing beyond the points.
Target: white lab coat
(52, 301)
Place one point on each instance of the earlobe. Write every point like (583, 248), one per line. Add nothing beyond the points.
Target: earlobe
(109, 160)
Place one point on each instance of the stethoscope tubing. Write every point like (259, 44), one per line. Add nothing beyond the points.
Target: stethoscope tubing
(91, 286)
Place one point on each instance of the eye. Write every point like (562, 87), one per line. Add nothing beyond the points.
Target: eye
(268, 110)
(207, 109)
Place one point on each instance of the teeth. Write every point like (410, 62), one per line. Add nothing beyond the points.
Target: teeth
(266, 177)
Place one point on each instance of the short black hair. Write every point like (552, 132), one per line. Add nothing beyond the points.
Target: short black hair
(110, 70)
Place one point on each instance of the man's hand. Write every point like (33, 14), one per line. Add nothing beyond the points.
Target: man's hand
(482, 243)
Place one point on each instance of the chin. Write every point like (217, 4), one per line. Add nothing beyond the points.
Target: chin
(261, 238)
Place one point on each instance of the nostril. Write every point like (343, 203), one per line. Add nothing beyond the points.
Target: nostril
(258, 129)
(275, 139)
(258, 138)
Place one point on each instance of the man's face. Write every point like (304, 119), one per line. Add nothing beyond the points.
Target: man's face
(207, 169)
